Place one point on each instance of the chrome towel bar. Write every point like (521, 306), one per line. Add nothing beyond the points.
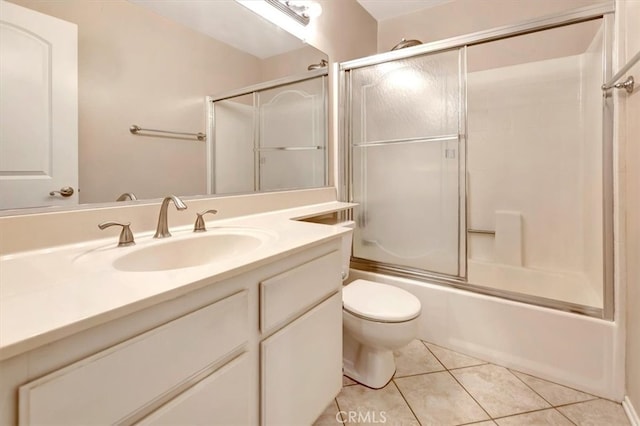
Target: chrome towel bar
(629, 82)
(135, 129)
(481, 231)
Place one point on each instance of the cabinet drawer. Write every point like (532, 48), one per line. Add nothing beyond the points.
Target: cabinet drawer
(287, 295)
(220, 399)
(114, 384)
(301, 366)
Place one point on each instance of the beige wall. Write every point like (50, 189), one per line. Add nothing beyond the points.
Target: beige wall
(460, 17)
(344, 30)
(290, 63)
(630, 17)
(136, 67)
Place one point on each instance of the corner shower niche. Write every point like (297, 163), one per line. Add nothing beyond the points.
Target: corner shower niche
(480, 162)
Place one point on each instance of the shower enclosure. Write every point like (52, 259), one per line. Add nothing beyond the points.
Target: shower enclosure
(270, 136)
(483, 162)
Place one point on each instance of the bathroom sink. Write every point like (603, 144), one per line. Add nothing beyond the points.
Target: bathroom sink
(190, 251)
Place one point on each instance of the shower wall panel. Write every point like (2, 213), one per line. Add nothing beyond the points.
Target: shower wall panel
(535, 150)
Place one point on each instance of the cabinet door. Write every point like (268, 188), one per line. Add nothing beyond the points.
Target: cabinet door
(220, 399)
(125, 382)
(301, 366)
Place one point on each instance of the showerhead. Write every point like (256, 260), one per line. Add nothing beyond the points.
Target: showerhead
(406, 43)
(323, 63)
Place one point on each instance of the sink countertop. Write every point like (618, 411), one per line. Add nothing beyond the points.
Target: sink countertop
(49, 294)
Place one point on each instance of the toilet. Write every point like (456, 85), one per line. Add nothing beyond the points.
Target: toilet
(376, 320)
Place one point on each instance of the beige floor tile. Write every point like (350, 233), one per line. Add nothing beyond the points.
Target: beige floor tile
(347, 381)
(485, 423)
(361, 405)
(330, 416)
(415, 358)
(451, 359)
(498, 391)
(597, 412)
(537, 418)
(555, 394)
(437, 399)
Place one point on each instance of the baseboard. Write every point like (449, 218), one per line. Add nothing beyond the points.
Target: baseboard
(632, 414)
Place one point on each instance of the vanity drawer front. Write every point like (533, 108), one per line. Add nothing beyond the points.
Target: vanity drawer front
(222, 398)
(291, 293)
(123, 381)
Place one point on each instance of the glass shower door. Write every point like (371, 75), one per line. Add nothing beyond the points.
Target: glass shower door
(405, 148)
(291, 135)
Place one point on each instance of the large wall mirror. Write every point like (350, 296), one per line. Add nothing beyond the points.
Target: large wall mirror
(157, 65)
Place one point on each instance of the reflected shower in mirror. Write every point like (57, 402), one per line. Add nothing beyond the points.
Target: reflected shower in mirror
(152, 64)
(271, 138)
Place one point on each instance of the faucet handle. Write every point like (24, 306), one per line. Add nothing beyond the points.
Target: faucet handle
(126, 236)
(199, 225)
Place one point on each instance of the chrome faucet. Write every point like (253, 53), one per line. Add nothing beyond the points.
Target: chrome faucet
(129, 195)
(126, 236)
(162, 230)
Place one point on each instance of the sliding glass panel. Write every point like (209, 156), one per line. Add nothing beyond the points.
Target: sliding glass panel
(535, 164)
(233, 145)
(293, 115)
(404, 99)
(405, 162)
(287, 169)
(408, 195)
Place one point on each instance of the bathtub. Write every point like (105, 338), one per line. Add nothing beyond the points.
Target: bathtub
(574, 350)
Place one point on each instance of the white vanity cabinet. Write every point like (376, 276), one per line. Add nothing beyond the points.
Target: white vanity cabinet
(121, 384)
(301, 363)
(262, 347)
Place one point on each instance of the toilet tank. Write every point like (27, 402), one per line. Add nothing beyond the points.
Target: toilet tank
(347, 240)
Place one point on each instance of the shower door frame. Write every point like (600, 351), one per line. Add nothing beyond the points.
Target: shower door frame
(254, 90)
(604, 11)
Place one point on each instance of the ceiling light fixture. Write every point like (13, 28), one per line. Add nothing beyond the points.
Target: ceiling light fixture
(292, 16)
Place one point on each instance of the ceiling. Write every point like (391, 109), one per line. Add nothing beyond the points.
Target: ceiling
(385, 9)
(235, 25)
(229, 22)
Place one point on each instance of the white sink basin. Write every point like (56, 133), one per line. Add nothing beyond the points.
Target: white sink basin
(194, 250)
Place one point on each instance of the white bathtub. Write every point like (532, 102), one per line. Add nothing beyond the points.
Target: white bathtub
(570, 349)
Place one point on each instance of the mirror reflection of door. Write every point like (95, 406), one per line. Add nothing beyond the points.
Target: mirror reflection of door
(38, 109)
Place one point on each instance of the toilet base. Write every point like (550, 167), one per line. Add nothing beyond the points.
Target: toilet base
(372, 367)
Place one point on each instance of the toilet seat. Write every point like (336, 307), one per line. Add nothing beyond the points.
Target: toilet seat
(379, 302)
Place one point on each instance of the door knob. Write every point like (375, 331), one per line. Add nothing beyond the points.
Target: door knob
(65, 191)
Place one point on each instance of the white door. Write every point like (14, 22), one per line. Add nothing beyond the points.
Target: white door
(38, 108)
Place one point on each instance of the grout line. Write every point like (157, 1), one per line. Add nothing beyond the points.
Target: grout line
(405, 401)
(475, 423)
(545, 399)
(532, 389)
(434, 355)
(580, 402)
(469, 393)
(457, 381)
(553, 407)
(339, 410)
(481, 362)
(528, 412)
(349, 384)
(419, 374)
(558, 384)
(565, 416)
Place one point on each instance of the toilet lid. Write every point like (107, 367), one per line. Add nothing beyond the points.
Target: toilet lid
(379, 302)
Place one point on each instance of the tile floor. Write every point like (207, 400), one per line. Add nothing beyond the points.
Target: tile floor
(436, 386)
